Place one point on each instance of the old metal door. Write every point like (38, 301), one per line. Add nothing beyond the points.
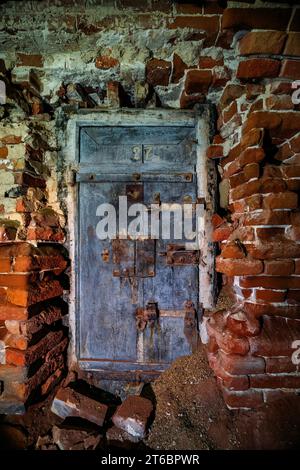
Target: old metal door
(137, 299)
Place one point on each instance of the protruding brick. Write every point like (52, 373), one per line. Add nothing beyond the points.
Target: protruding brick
(290, 69)
(198, 81)
(133, 415)
(69, 403)
(283, 267)
(158, 72)
(242, 324)
(238, 267)
(262, 42)
(258, 68)
(245, 399)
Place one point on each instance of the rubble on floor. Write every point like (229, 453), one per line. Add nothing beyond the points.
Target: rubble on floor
(68, 402)
(133, 416)
(190, 414)
(90, 419)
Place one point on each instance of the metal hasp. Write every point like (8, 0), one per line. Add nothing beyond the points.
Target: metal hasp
(137, 299)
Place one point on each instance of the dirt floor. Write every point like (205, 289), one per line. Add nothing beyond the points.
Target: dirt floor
(190, 415)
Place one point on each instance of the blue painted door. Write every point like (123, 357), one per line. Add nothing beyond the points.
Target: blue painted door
(137, 298)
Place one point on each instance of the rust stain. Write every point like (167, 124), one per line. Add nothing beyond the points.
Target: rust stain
(105, 256)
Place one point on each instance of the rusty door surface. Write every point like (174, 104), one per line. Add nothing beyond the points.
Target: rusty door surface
(137, 298)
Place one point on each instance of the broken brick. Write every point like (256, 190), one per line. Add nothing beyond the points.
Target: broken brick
(69, 403)
(133, 415)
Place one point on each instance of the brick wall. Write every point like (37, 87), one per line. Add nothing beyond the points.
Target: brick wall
(243, 60)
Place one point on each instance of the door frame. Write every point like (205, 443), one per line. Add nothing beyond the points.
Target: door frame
(68, 138)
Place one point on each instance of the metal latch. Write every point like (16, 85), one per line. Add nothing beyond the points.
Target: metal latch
(177, 255)
(146, 316)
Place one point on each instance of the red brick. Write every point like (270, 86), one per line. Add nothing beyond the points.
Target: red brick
(12, 312)
(5, 265)
(290, 311)
(270, 233)
(254, 90)
(293, 295)
(258, 18)
(221, 75)
(24, 390)
(270, 295)
(11, 139)
(52, 381)
(214, 151)
(158, 72)
(295, 144)
(106, 62)
(232, 382)
(297, 266)
(275, 381)
(274, 249)
(290, 123)
(251, 138)
(229, 112)
(245, 399)
(45, 234)
(282, 267)
(232, 344)
(295, 218)
(263, 119)
(179, 68)
(205, 23)
(258, 68)
(47, 316)
(242, 324)
(279, 365)
(266, 217)
(262, 185)
(242, 234)
(189, 101)
(239, 365)
(35, 293)
(209, 62)
(3, 152)
(189, 8)
(19, 281)
(227, 341)
(262, 42)
(279, 102)
(291, 171)
(292, 46)
(198, 81)
(17, 342)
(232, 250)
(222, 233)
(231, 92)
(24, 358)
(217, 220)
(290, 69)
(30, 60)
(271, 282)
(69, 403)
(133, 415)
(276, 337)
(238, 267)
